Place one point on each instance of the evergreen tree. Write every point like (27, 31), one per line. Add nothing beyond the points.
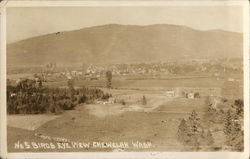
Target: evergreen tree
(108, 79)
(190, 132)
(233, 132)
(194, 122)
(71, 88)
(195, 130)
(183, 132)
(144, 100)
(239, 107)
(228, 123)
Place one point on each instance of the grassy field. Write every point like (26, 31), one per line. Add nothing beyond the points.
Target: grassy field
(132, 126)
(29, 122)
(229, 89)
(159, 128)
(115, 124)
(156, 122)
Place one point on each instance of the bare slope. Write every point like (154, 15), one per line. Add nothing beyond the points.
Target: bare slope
(125, 43)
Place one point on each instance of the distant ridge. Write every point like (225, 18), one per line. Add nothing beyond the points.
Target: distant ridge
(116, 43)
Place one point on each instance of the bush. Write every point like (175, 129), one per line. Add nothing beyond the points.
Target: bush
(82, 99)
(196, 95)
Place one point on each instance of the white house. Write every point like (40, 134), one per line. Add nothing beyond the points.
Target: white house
(230, 79)
(190, 95)
(170, 93)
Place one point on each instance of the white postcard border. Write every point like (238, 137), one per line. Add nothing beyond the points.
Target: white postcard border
(194, 155)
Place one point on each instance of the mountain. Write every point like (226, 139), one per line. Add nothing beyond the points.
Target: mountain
(115, 43)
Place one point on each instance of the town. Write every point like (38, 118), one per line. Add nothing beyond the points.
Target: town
(52, 72)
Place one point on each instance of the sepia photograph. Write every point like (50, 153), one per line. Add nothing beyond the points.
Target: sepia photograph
(125, 78)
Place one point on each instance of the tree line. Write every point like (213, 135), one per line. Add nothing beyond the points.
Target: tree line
(26, 98)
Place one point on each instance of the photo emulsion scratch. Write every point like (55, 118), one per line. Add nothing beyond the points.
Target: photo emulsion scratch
(125, 79)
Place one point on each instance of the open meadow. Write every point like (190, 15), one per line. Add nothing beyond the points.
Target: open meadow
(154, 123)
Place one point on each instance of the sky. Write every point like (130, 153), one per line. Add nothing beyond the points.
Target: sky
(23, 23)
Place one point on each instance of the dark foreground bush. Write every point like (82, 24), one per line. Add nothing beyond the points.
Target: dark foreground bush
(37, 100)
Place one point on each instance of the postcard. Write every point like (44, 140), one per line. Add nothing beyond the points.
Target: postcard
(125, 79)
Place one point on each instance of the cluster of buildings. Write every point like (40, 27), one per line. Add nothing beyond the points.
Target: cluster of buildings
(192, 93)
(94, 72)
(163, 68)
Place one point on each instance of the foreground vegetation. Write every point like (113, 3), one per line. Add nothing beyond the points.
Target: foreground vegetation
(196, 132)
(26, 98)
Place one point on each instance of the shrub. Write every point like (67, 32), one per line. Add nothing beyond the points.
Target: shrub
(196, 95)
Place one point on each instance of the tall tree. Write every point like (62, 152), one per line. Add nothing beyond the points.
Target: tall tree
(228, 123)
(239, 107)
(108, 79)
(233, 131)
(183, 131)
(144, 100)
(195, 130)
(71, 87)
(189, 131)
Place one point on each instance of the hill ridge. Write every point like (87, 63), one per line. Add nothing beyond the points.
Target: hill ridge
(122, 43)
